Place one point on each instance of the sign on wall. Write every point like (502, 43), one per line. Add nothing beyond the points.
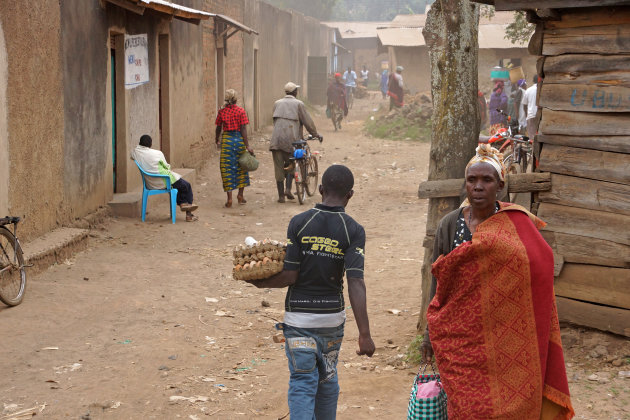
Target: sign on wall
(136, 60)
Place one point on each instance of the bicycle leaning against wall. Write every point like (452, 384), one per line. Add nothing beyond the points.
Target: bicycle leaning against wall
(12, 267)
(306, 170)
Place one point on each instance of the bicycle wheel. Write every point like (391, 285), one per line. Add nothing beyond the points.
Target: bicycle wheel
(300, 180)
(12, 273)
(524, 160)
(311, 176)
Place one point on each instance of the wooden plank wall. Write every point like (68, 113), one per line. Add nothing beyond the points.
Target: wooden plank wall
(584, 142)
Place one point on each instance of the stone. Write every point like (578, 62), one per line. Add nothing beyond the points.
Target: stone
(568, 340)
(593, 377)
(617, 362)
(601, 350)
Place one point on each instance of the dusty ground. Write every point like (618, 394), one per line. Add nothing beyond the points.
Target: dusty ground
(147, 323)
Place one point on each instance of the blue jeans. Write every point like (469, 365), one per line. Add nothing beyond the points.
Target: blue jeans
(313, 386)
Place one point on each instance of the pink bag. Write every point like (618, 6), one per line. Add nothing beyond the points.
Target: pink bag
(429, 389)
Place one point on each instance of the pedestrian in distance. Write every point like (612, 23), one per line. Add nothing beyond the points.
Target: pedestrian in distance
(337, 105)
(492, 320)
(154, 162)
(365, 73)
(383, 83)
(289, 119)
(396, 89)
(518, 101)
(350, 80)
(498, 100)
(323, 243)
(530, 107)
(232, 121)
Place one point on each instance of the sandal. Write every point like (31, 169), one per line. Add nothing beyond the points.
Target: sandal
(191, 218)
(188, 207)
(241, 199)
(228, 203)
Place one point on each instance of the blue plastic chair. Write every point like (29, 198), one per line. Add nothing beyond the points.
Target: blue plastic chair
(147, 192)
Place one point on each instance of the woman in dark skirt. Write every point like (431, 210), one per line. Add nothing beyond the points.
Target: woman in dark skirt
(232, 121)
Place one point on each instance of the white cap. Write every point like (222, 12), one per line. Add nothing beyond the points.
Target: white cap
(290, 87)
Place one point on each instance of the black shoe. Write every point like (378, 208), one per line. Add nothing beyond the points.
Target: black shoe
(289, 195)
(280, 187)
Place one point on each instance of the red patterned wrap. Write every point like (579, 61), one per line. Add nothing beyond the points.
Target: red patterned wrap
(494, 327)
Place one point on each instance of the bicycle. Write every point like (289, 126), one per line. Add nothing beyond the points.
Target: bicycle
(516, 148)
(521, 154)
(306, 170)
(350, 96)
(12, 267)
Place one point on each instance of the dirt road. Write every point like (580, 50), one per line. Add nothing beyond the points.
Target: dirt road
(148, 323)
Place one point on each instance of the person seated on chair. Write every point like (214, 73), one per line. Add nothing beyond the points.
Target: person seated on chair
(154, 162)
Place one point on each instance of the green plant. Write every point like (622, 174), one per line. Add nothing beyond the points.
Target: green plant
(398, 128)
(414, 352)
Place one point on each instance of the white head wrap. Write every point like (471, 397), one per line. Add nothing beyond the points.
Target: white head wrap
(488, 154)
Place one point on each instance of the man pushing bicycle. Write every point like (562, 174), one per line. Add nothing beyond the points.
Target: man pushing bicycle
(289, 118)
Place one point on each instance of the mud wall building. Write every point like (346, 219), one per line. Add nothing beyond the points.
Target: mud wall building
(405, 45)
(290, 47)
(361, 40)
(67, 123)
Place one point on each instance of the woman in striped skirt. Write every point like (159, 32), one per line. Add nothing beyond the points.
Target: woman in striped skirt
(232, 121)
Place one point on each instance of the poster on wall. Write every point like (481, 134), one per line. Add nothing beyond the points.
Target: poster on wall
(136, 61)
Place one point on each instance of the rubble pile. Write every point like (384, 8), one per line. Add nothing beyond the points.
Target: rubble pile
(360, 92)
(410, 122)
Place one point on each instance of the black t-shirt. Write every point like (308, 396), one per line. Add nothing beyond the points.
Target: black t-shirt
(322, 244)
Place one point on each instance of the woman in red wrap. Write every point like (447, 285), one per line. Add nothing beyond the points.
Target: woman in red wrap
(492, 320)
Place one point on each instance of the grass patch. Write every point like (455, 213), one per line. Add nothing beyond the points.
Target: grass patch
(398, 128)
(414, 351)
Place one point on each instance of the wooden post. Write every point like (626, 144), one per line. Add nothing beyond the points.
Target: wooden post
(451, 33)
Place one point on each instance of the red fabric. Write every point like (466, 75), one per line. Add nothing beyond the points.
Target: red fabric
(336, 94)
(395, 91)
(494, 326)
(232, 117)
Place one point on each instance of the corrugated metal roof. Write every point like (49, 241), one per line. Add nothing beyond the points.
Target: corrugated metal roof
(410, 20)
(490, 37)
(420, 20)
(350, 30)
(401, 37)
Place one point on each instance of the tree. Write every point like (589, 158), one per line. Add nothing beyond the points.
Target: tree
(520, 30)
(517, 32)
(451, 33)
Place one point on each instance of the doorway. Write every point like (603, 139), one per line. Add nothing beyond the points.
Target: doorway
(220, 74)
(112, 52)
(256, 104)
(164, 98)
(118, 114)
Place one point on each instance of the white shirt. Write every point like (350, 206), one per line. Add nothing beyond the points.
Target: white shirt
(529, 99)
(350, 78)
(308, 320)
(522, 116)
(149, 159)
(365, 73)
